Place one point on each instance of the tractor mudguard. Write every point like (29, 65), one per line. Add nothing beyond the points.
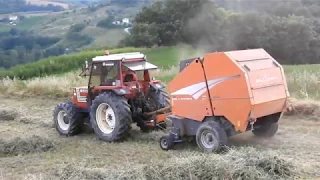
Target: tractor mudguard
(157, 86)
(121, 92)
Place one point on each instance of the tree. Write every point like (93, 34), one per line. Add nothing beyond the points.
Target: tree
(166, 21)
(284, 29)
(107, 22)
(77, 27)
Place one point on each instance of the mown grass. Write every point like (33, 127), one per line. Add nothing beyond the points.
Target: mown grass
(242, 163)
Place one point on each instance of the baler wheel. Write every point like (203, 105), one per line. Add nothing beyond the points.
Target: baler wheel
(67, 120)
(166, 142)
(211, 137)
(266, 131)
(110, 117)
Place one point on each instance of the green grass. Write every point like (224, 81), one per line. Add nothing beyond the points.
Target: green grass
(303, 81)
(163, 57)
(55, 65)
(314, 68)
(170, 56)
(29, 22)
(24, 24)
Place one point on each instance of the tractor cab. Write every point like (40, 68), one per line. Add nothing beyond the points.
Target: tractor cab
(124, 73)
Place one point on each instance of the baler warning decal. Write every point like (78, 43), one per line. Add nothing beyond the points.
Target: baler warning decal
(196, 90)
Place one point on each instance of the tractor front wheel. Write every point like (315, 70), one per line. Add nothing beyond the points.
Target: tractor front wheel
(266, 131)
(110, 116)
(66, 119)
(211, 137)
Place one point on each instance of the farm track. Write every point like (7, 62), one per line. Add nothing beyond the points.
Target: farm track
(46, 155)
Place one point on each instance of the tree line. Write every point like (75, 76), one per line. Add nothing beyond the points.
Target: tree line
(20, 47)
(11, 6)
(288, 30)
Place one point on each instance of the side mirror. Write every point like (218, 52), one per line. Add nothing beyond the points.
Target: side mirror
(85, 66)
(85, 69)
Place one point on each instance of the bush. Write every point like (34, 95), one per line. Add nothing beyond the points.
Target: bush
(77, 27)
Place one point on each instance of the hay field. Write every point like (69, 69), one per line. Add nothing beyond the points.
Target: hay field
(30, 148)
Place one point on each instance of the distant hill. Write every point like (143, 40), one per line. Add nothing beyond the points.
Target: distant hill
(85, 24)
(94, 15)
(96, 21)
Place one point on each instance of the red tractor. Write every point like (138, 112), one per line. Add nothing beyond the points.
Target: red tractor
(120, 92)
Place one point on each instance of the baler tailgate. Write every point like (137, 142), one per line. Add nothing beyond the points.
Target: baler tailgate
(267, 85)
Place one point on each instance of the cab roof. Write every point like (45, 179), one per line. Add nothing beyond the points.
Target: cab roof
(139, 66)
(119, 57)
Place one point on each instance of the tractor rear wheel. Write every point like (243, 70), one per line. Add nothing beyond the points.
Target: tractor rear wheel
(66, 119)
(111, 117)
(211, 137)
(267, 130)
(160, 98)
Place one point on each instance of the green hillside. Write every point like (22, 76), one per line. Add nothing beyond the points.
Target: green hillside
(68, 31)
(58, 24)
(24, 24)
(95, 18)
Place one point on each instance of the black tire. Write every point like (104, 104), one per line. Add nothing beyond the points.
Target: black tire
(72, 119)
(122, 114)
(158, 99)
(161, 98)
(166, 142)
(267, 130)
(217, 134)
